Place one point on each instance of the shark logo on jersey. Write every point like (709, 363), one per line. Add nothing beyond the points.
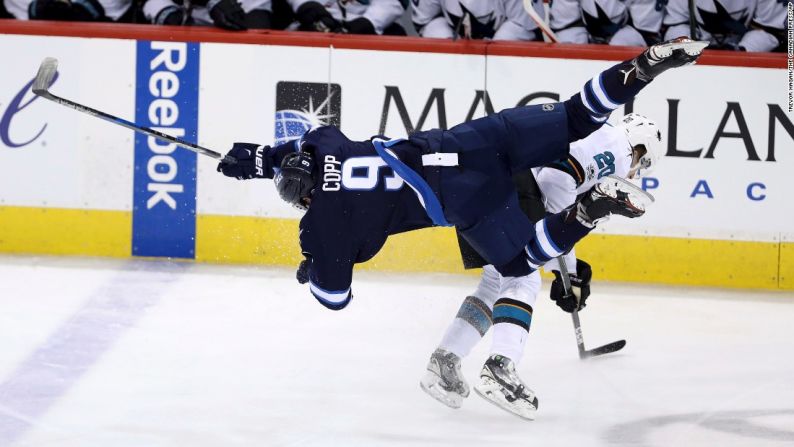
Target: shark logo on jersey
(722, 21)
(303, 106)
(602, 26)
(469, 25)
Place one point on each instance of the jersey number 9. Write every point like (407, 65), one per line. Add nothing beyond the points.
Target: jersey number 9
(363, 173)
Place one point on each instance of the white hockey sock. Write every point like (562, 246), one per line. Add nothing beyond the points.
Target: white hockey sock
(460, 338)
(509, 340)
(512, 315)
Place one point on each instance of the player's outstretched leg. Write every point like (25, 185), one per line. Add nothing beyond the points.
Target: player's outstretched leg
(664, 56)
(500, 385)
(589, 109)
(444, 380)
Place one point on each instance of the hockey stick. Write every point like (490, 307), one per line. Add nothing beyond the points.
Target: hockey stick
(44, 79)
(456, 33)
(693, 25)
(583, 353)
(539, 21)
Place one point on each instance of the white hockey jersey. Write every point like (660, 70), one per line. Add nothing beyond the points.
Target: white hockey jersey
(478, 19)
(382, 13)
(604, 152)
(617, 22)
(755, 25)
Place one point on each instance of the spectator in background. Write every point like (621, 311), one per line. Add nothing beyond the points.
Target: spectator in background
(615, 22)
(742, 25)
(75, 10)
(227, 14)
(341, 16)
(476, 19)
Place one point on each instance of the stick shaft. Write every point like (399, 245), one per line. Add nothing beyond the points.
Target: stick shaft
(456, 33)
(577, 326)
(539, 21)
(130, 125)
(693, 25)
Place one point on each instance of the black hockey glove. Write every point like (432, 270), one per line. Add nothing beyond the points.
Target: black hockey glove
(258, 19)
(580, 285)
(74, 10)
(227, 14)
(170, 15)
(302, 275)
(360, 26)
(314, 17)
(50, 10)
(88, 11)
(250, 162)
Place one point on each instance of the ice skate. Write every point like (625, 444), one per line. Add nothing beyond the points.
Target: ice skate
(612, 196)
(443, 380)
(500, 385)
(666, 55)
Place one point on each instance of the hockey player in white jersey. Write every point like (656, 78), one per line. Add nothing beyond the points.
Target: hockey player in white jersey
(614, 22)
(343, 16)
(631, 147)
(235, 15)
(475, 19)
(743, 25)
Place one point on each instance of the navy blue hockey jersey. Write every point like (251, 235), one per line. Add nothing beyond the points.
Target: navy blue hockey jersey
(357, 203)
(358, 200)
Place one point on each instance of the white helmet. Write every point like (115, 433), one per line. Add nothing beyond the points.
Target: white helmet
(646, 142)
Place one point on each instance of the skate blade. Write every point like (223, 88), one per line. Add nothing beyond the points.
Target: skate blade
(638, 197)
(433, 388)
(690, 47)
(694, 47)
(491, 391)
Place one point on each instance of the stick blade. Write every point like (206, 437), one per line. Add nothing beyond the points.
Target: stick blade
(606, 349)
(45, 75)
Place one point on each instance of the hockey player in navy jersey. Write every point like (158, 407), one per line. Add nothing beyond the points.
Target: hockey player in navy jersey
(632, 146)
(356, 194)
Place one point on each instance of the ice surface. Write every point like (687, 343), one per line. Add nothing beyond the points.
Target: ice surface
(143, 353)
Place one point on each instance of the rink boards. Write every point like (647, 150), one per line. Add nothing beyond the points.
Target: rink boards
(71, 184)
